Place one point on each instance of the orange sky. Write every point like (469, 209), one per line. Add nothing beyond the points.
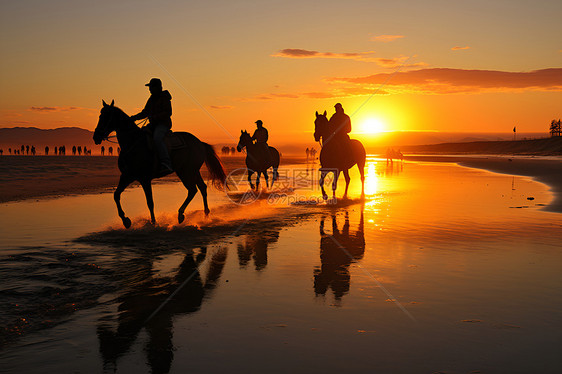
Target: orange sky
(409, 66)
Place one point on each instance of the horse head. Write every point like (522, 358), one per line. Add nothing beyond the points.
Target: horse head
(320, 126)
(244, 141)
(106, 123)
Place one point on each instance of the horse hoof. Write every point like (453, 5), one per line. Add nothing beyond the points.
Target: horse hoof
(126, 222)
(181, 217)
(207, 211)
(325, 197)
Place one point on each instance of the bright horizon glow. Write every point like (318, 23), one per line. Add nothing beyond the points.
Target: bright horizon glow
(395, 63)
(372, 126)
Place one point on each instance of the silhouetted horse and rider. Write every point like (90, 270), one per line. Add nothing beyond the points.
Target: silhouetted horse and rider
(184, 152)
(339, 153)
(260, 156)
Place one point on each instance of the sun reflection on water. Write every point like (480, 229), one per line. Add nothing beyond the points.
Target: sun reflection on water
(371, 179)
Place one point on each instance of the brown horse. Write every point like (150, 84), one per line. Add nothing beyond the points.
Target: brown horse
(331, 158)
(137, 160)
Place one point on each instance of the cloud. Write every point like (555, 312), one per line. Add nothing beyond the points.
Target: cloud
(221, 107)
(457, 48)
(395, 62)
(445, 80)
(341, 92)
(46, 109)
(357, 56)
(303, 53)
(386, 38)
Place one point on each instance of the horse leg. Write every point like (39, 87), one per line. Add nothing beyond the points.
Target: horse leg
(347, 179)
(321, 182)
(266, 178)
(258, 180)
(190, 184)
(362, 173)
(147, 188)
(275, 176)
(124, 181)
(250, 172)
(335, 183)
(203, 188)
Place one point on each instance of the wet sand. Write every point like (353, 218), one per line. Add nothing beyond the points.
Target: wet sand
(24, 177)
(31, 177)
(433, 271)
(547, 171)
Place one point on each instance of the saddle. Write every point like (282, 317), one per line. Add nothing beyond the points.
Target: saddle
(172, 140)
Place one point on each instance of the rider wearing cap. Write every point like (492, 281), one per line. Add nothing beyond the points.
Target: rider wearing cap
(341, 127)
(158, 109)
(261, 136)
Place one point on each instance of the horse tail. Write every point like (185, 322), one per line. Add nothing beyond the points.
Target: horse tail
(215, 167)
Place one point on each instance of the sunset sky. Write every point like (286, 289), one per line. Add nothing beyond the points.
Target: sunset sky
(482, 66)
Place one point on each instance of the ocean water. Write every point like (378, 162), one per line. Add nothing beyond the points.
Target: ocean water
(437, 268)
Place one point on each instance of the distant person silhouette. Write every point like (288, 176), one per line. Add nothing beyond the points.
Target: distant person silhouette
(46, 150)
(102, 150)
(110, 150)
(341, 126)
(158, 110)
(261, 137)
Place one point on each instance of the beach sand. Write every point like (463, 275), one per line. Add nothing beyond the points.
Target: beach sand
(31, 177)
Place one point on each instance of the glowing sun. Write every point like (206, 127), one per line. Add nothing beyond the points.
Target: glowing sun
(372, 126)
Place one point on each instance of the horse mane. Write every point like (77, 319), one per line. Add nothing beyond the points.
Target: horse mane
(122, 113)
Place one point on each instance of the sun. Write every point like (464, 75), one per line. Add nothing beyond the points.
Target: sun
(372, 126)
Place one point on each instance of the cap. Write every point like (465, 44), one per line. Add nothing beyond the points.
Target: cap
(154, 82)
(259, 122)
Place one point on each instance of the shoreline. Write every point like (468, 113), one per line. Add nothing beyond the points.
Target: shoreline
(44, 177)
(545, 171)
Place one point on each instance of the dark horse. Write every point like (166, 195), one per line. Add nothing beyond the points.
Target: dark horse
(331, 158)
(137, 160)
(256, 162)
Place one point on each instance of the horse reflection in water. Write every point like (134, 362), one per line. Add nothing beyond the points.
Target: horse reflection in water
(139, 308)
(255, 246)
(337, 252)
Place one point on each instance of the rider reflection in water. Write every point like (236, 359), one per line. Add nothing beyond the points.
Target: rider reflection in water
(158, 109)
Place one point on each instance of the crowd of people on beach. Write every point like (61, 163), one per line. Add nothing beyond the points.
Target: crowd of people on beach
(27, 150)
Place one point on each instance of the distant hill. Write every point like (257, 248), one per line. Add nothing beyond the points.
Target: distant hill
(545, 146)
(18, 136)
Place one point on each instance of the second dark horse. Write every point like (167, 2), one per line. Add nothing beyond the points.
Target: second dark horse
(136, 160)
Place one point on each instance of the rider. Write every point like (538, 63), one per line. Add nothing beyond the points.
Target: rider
(341, 127)
(261, 136)
(158, 109)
